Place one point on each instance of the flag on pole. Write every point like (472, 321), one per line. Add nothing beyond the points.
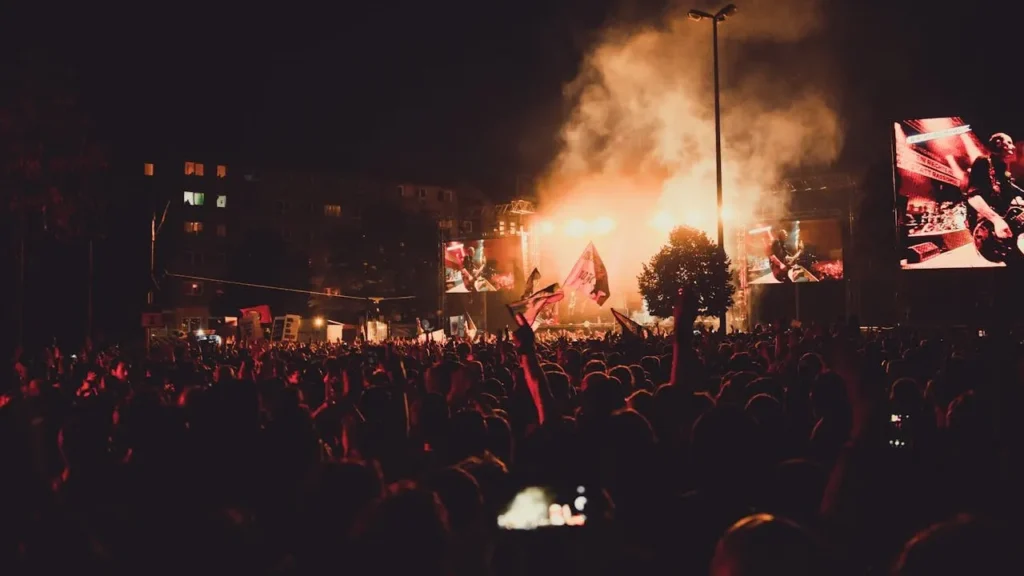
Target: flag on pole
(530, 281)
(532, 306)
(589, 275)
(263, 311)
(628, 325)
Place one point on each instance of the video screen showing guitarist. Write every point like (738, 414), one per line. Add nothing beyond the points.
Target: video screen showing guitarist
(994, 203)
(470, 271)
(784, 256)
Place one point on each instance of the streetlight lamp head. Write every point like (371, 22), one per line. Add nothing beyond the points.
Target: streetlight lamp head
(726, 12)
(695, 15)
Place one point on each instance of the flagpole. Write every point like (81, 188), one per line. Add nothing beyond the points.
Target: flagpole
(485, 294)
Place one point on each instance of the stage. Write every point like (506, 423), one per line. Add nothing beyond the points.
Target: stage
(963, 257)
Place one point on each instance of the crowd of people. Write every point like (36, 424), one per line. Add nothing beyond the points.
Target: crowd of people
(811, 450)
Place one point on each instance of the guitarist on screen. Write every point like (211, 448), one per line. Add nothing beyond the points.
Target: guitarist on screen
(991, 197)
(785, 265)
(469, 271)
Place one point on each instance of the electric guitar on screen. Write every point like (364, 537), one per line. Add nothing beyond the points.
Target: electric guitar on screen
(780, 269)
(994, 248)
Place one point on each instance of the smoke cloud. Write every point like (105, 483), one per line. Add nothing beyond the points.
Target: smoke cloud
(639, 147)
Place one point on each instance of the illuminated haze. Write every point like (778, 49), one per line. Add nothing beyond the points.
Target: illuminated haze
(639, 148)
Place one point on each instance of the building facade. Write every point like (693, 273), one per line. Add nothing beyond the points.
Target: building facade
(305, 243)
(194, 211)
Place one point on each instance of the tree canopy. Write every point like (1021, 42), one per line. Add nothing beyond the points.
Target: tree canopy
(690, 260)
(375, 259)
(266, 259)
(54, 164)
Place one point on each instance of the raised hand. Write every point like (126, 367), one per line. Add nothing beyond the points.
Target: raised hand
(524, 337)
(685, 312)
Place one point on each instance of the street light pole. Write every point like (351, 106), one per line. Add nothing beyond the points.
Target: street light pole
(720, 16)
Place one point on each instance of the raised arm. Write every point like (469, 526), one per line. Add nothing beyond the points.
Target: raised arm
(684, 315)
(536, 380)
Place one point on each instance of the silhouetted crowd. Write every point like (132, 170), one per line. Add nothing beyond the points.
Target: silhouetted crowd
(808, 450)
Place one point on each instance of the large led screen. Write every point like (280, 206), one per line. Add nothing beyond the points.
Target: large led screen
(489, 265)
(956, 195)
(794, 251)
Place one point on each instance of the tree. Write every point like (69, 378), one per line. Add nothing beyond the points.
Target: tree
(690, 260)
(390, 253)
(53, 177)
(264, 259)
(54, 164)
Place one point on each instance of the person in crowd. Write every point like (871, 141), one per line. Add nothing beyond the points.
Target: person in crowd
(811, 450)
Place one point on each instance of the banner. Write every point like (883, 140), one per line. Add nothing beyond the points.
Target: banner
(263, 310)
(285, 328)
(589, 275)
(435, 336)
(531, 306)
(249, 327)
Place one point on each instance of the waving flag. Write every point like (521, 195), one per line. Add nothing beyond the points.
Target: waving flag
(629, 327)
(262, 310)
(530, 281)
(589, 275)
(531, 306)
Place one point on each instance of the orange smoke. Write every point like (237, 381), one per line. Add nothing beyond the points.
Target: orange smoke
(638, 154)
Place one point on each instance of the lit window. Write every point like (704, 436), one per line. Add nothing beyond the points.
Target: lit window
(147, 168)
(332, 291)
(195, 198)
(404, 192)
(190, 168)
(222, 201)
(193, 288)
(332, 210)
(199, 169)
(422, 193)
(193, 227)
(222, 230)
(222, 171)
(449, 196)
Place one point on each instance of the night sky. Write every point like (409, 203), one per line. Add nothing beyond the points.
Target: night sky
(457, 90)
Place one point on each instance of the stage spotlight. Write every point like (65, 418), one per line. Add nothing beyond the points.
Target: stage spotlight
(604, 225)
(545, 227)
(663, 221)
(318, 322)
(576, 227)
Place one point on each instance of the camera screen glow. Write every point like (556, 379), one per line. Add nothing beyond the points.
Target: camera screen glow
(536, 508)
